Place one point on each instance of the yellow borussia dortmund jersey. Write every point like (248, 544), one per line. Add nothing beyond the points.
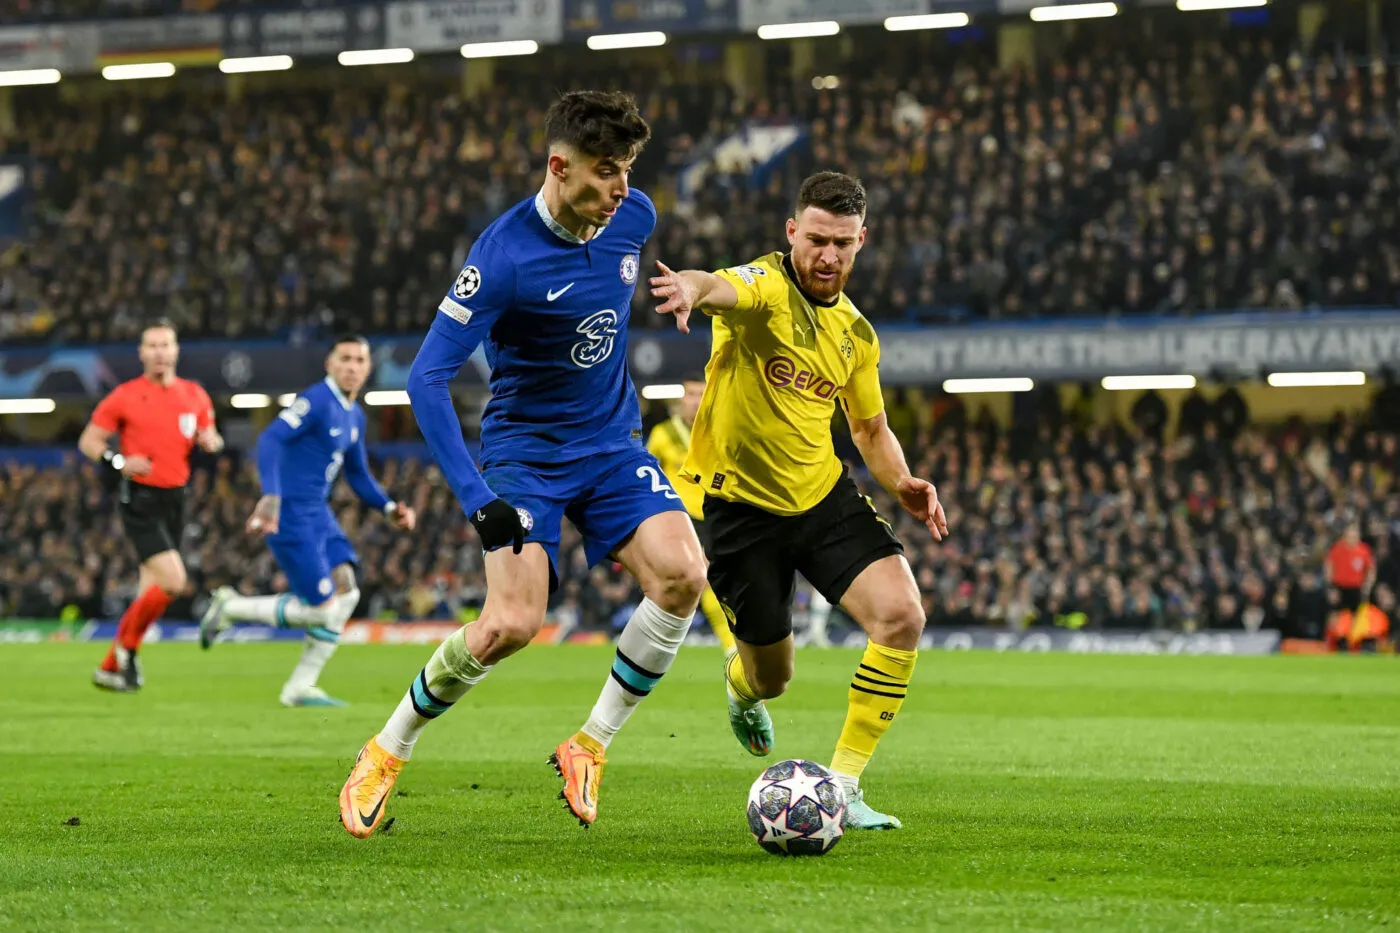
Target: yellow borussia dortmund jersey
(778, 362)
(668, 443)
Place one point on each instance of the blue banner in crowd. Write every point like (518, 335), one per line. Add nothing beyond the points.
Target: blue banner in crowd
(583, 18)
(305, 32)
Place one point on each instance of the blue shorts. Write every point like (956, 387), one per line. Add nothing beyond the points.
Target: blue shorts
(307, 545)
(605, 496)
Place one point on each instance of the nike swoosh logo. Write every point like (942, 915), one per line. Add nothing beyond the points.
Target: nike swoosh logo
(587, 789)
(368, 819)
(553, 294)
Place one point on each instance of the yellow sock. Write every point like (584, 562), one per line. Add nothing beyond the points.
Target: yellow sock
(876, 694)
(738, 683)
(714, 614)
(588, 742)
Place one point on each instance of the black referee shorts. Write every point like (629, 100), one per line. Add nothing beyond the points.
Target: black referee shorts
(153, 518)
(1349, 598)
(756, 555)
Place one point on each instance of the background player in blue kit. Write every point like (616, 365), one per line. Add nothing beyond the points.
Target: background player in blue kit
(548, 287)
(300, 455)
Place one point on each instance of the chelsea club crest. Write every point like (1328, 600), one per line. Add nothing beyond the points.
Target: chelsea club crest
(629, 268)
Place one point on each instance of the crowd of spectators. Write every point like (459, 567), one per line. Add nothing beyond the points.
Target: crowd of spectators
(1130, 176)
(1224, 527)
(14, 12)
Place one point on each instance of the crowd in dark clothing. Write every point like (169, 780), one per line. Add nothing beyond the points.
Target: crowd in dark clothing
(1130, 177)
(1225, 527)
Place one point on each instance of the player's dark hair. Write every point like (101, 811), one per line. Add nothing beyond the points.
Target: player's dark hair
(160, 322)
(599, 124)
(348, 338)
(834, 192)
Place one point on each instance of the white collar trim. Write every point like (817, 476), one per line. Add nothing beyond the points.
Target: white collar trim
(345, 403)
(555, 227)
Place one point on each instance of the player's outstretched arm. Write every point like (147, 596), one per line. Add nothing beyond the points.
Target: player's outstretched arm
(688, 290)
(884, 456)
(367, 488)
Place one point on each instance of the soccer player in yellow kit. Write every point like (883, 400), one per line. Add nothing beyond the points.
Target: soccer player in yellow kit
(668, 443)
(787, 344)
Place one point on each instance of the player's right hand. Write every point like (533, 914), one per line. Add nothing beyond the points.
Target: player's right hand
(498, 523)
(263, 521)
(136, 465)
(678, 296)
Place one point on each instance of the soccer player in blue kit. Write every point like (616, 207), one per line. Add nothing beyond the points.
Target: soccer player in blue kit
(300, 455)
(548, 287)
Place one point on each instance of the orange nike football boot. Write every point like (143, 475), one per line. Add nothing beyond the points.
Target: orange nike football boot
(581, 767)
(366, 790)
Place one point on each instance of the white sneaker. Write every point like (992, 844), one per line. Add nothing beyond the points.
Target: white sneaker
(308, 696)
(214, 620)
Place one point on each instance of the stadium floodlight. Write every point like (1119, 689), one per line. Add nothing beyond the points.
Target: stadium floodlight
(626, 40)
(1143, 383)
(1058, 14)
(238, 66)
(826, 27)
(374, 57)
(250, 400)
(973, 386)
(28, 76)
(927, 21)
(286, 398)
(1316, 380)
(139, 71)
(27, 406)
(1195, 6)
(386, 397)
(668, 390)
(500, 49)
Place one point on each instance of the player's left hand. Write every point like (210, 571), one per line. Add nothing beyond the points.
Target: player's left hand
(403, 517)
(678, 296)
(210, 440)
(920, 499)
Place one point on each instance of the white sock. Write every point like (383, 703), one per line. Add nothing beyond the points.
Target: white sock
(448, 675)
(645, 650)
(321, 642)
(283, 611)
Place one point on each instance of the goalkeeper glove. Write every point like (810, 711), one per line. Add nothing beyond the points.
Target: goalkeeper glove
(498, 523)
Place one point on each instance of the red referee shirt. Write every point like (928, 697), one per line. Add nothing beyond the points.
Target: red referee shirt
(1350, 565)
(158, 422)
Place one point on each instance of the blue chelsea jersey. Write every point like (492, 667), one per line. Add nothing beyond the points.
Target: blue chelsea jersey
(306, 447)
(552, 311)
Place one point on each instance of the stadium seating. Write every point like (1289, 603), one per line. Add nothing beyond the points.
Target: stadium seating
(1171, 179)
(1100, 530)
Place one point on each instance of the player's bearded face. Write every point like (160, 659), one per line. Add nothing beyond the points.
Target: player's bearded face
(159, 351)
(824, 247)
(594, 188)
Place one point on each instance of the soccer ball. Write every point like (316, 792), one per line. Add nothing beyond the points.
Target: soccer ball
(796, 807)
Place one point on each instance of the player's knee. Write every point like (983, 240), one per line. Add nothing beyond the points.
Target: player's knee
(677, 585)
(171, 580)
(897, 625)
(511, 630)
(770, 684)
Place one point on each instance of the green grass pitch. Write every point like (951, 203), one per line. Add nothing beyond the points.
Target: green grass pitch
(1038, 792)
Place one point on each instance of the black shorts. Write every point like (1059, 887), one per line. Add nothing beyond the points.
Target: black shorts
(1349, 598)
(154, 518)
(702, 531)
(755, 556)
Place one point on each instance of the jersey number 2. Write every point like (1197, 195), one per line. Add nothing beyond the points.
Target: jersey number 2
(657, 483)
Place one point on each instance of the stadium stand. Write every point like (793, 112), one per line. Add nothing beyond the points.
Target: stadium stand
(1174, 178)
(1101, 528)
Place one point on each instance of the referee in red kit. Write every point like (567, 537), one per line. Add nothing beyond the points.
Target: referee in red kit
(158, 419)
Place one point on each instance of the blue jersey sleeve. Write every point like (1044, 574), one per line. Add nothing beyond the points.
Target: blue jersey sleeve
(484, 290)
(358, 475)
(290, 423)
